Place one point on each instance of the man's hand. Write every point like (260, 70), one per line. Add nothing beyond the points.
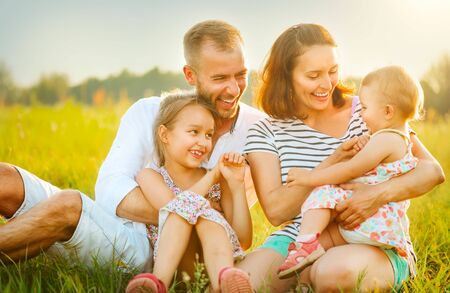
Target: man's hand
(364, 203)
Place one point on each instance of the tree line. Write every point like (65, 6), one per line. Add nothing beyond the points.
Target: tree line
(54, 88)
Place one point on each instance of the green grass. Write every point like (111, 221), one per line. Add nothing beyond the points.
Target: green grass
(66, 145)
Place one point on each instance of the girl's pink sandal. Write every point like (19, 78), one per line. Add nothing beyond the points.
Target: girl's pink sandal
(234, 280)
(146, 282)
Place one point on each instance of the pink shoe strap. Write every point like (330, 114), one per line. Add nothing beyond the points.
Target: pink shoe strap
(304, 248)
(161, 287)
(223, 270)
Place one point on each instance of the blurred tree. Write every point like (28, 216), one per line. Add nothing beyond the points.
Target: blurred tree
(86, 90)
(9, 93)
(431, 98)
(436, 85)
(252, 88)
(99, 97)
(153, 82)
(51, 88)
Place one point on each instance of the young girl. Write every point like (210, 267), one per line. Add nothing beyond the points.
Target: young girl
(183, 133)
(389, 99)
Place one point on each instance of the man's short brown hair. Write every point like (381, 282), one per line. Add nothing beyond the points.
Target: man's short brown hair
(222, 35)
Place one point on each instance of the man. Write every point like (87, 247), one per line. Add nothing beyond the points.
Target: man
(69, 222)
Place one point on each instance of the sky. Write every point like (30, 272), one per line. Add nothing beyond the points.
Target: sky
(98, 38)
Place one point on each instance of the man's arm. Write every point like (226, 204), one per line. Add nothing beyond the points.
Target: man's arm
(367, 199)
(131, 150)
(136, 208)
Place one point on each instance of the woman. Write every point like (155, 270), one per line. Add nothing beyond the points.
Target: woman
(311, 114)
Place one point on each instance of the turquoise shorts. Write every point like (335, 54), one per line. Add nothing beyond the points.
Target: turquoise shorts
(280, 244)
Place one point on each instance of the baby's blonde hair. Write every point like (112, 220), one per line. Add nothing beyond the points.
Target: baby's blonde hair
(399, 88)
(171, 105)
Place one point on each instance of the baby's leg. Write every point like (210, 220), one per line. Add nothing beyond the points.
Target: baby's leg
(314, 221)
(172, 245)
(307, 248)
(217, 249)
(331, 236)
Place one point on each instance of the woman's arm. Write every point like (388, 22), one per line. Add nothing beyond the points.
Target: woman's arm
(367, 199)
(233, 199)
(279, 203)
(424, 178)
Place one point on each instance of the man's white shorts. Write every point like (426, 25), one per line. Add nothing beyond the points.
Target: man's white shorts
(99, 236)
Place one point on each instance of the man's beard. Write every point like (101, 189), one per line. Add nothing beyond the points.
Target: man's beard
(227, 114)
(223, 114)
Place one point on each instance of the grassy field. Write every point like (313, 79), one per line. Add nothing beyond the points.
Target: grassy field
(66, 145)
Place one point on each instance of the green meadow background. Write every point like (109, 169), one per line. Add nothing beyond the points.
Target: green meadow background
(65, 144)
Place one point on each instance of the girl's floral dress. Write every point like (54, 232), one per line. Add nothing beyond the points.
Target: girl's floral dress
(390, 225)
(191, 206)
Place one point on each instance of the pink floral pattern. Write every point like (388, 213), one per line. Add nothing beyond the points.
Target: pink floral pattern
(390, 225)
(191, 206)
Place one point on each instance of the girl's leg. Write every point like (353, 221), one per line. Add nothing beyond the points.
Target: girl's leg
(187, 263)
(217, 249)
(338, 270)
(262, 264)
(172, 245)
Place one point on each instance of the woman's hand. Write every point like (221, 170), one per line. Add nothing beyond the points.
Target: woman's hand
(363, 204)
(232, 167)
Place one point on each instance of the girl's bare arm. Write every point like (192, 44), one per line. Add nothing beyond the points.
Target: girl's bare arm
(234, 201)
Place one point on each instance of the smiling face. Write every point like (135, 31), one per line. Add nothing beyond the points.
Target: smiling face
(314, 78)
(220, 76)
(188, 142)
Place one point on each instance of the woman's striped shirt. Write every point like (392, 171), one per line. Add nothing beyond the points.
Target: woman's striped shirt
(298, 145)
